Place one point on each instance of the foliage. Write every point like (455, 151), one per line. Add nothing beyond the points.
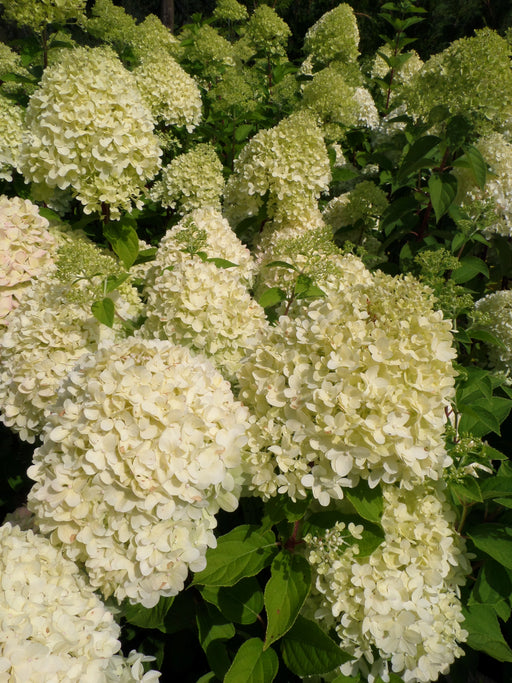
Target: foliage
(256, 319)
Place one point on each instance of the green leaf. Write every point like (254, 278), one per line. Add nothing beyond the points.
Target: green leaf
(494, 540)
(280, 264)
(285, 593)
(104, 311)
(210, 677)
(112, 281)
(123, 239)
(372, 535)
(242, 552)
(442, 188)
(221, 262)
(496, 487)
(271, 297)
(283, 507)
(485, 633)
(242, 132)
(367, 502)
(213, 629)
(469, 267)
(146, 255)
(311, 292)
(240, 603)
(416, 155)
(147, 618)
(307, 650)
(494, 588)
(252, 664)
(487, 337)
(466, 491)
(477, 165)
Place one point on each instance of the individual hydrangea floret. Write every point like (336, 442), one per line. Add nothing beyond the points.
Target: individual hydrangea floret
(495, 315)
(90, 133)
(399, 609)
(230, 10)
(53, 327)
(289, 162)
(267, 32)
(497, 153)
(11, 136)
(140, 452)
(355, 387)
(471, 75)
(26, 249)
(170, 93)
(191, 181)
(335, 36)
(38, 14)
(53, 626)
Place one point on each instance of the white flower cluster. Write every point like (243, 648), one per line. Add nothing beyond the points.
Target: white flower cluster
(335, 36)
(11, 136)
(170, 93)
(152, 37)
(191, 181)
(290, 162)
(497, 319)
(140, 451)
(198, 303)
(89, 131)
(354, 388)
(497, 153)
(38, 13)
(366, 202)
(26, 249)
(53, 627)
(402, 602)
(111, 24)
(206, 46)
(52, 327)
(10, 63)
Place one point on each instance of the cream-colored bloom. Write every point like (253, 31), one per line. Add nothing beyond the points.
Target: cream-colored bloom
(90, 133)
(152, 37)
(230, 10)
(53, 627)
(497, 319)
(267, 32)
(11, 136)
(191, 181)
(38, 13)
(26, 249)
(335, 36)
(353, 388)
(399, 608)
(170, 93)
(140, 451)
(52, 327)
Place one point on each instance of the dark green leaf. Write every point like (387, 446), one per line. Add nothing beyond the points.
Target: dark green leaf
(252, 664)
(466, 491)
(496, 487)
(485, 633)
(242, 552)
(104, 311)
(477, 165)
(367, 502)
(148, 618)
(494, 540)
(494, 588)
(372, 535)
(283, 507)
(470, 266)
(285, 593)
(442, 188)
(240, 603)
(487, 337)
(123, 239)
(416, 155)
(213, 629)
(280, 264)
(221, 262)
(307, 650)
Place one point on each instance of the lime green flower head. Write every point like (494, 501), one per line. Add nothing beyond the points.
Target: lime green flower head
(38, 13)
(335, 36)
(230, 10)
(111, 24)
(267, 32)
(151, 37)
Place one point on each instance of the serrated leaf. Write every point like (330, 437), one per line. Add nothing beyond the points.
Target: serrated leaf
(148, 618)
(443, 189)
(307, 650)
(112, 281)
(241, 603)
(104, 311)
(252, 664)
(484, 632)
(123, 239)
(221, 262)
(494, 540)
(367, 502)
(466, 491)
(285, 593)
(469, 267)
(271, 297)
(242, 552)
